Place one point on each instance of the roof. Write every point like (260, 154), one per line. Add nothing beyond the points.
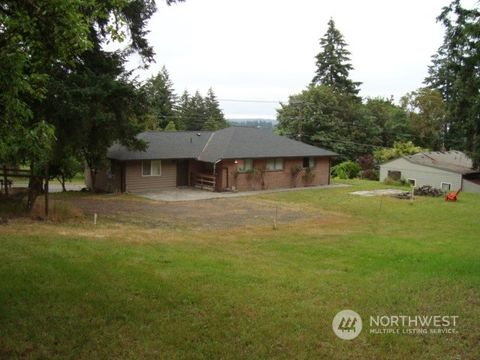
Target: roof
(453, 161)
(229, 143)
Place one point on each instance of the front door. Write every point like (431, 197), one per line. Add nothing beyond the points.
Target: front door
(225, 184)
(182, 172)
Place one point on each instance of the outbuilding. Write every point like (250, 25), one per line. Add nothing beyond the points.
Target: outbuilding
(445, 170)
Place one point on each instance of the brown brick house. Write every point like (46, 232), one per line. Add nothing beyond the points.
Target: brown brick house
(235, 158)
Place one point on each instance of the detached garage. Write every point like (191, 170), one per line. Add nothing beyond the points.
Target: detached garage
(445, 170)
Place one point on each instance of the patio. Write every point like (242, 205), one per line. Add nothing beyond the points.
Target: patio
(192, 194)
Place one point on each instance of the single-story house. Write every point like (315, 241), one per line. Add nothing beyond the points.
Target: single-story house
(235, 158)
(445, 170)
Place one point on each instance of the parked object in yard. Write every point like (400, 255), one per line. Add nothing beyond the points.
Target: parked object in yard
(452, 196)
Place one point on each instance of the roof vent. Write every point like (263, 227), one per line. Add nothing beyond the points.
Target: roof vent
(198, 134)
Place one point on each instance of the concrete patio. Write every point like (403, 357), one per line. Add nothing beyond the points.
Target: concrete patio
(191, 194)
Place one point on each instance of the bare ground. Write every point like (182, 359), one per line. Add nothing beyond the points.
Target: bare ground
(215, 213)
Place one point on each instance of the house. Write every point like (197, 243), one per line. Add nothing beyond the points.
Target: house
(445, 170)
(235, 158)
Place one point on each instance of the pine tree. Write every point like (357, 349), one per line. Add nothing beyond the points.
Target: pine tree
(215, 119)
(182, 111)
(161, 97)
(333, 63)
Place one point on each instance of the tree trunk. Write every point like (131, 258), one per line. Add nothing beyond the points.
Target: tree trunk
(93, 175)
(62, 181)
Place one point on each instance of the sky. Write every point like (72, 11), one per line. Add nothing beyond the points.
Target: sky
(258, 52)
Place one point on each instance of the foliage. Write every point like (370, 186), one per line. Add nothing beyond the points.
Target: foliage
(399, 149)
(346, 170)
(308, 176)
(426, 111)
(215, 120)
(161, 98)
(455, 73)
(333, 63)
(323, 117)
(368, 167)
(386, 121)
(171, 126)
(200, 113)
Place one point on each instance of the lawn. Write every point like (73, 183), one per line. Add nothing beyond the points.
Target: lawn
(246, 291)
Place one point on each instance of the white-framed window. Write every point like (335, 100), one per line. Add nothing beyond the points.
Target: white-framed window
(445, 186)
(245, 165)
(275, 164)
(412, 182)
(308, 162)
(151, 167)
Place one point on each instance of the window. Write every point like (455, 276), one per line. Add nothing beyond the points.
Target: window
(308, 162)
(151, 167)
(412, 182)
(445, 186)
(394, 175)
(275, 164)
(245, 165)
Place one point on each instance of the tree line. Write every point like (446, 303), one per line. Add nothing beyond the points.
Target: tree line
(442, 115)
(167, 111)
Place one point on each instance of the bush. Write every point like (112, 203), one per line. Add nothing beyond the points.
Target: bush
(346, 170)
(370, 174)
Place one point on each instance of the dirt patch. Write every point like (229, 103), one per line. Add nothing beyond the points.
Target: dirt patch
(216, 213)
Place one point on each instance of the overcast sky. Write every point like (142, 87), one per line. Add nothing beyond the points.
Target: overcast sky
(264, 50)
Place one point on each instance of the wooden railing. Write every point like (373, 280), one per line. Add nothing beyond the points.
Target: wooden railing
(203, 181)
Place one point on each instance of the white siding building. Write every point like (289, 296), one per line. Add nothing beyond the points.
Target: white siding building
(449, 171)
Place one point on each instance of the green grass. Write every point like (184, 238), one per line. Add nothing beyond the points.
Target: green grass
(70, 291)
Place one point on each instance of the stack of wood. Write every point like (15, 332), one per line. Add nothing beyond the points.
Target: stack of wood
(427, 190)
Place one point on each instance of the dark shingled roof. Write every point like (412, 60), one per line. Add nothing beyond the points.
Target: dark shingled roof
(229, 143)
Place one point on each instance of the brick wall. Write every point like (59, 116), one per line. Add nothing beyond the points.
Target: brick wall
(272, 179)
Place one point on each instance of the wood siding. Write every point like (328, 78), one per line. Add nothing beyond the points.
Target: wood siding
(135, 182)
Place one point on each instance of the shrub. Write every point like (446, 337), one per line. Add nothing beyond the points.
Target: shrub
(346, 170)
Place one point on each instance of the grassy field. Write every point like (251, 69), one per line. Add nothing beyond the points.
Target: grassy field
(123, 290)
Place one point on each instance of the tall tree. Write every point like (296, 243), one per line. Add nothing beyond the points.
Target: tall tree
(215, 119)
(455, 72)
(333, 63)
(386, 122)
(426, 113)
(324, 117)
(161, 98)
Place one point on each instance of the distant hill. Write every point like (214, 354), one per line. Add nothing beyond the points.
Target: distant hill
(258, 123)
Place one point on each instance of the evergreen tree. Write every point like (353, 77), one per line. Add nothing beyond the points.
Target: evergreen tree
(195, 113)
(182, 111)
(215, 119)
(333, 63)
(161, 98)
(455, 73)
